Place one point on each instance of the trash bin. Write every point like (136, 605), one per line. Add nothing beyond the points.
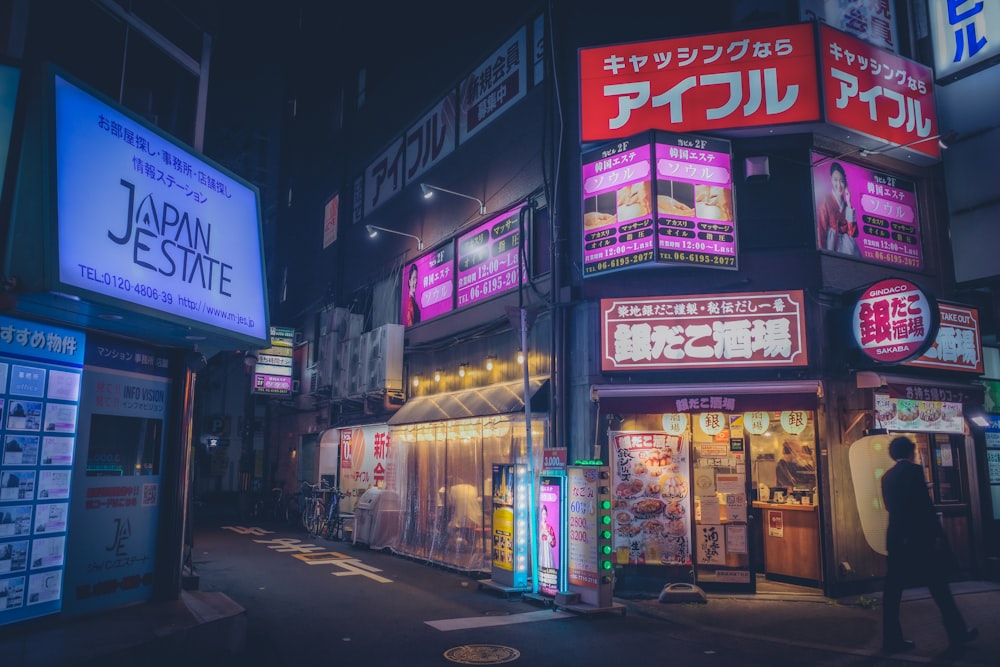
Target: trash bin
(364, 515)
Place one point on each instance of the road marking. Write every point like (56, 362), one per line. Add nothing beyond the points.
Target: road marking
(449, 624)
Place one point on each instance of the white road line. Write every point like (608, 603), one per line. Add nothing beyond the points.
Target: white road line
(449, 624)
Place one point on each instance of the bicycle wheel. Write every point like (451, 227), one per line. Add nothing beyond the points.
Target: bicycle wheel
(313, 515)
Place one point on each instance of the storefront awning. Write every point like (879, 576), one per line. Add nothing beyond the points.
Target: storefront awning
(704, 397)
(972, 393)
(495, 399)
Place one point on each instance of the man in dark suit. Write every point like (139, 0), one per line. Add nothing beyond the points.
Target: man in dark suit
(918, 551)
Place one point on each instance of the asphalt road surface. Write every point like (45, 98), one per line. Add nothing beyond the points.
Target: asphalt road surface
(313, 601)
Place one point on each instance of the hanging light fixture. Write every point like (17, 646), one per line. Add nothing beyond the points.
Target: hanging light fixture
(489, 361)
(437, 375)
(520, 357)
(461, 369)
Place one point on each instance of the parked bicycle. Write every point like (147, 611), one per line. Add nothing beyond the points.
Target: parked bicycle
(333, 523)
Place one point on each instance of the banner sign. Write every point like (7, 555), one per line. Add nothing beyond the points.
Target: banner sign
(878, 93)
(738, 330)
(958, 345)
(865, 213)
(705, 82)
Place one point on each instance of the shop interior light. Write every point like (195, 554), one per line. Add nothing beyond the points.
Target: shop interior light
(461, 370)
(489, 362)
(373, 231)
(428, 192)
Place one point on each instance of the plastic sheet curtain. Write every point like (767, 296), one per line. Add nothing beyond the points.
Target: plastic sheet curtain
(444, 482)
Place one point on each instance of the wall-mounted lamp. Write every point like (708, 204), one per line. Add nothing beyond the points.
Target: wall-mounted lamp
(437, 375)
(461, 370)
(428, 192)
(489, 361)
(373, 231)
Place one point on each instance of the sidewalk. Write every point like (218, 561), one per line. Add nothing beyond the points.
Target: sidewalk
(850, 625)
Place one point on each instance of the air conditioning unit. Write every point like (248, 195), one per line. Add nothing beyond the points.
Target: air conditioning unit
(385, 359)
(356, 367)
(326, 358)
(342, 372)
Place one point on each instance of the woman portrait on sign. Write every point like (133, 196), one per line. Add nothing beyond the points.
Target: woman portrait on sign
(836, 216)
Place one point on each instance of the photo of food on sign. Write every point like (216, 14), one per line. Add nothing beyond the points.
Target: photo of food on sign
(651, 500)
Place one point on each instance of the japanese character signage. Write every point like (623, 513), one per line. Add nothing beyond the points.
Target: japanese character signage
(706, 82)
(964, 33)
(958, 346)
(916, 414)
(865, 213)
(429, 286)
(40, 380)
(384, 176)
(870, 20)
(331, 212)
(894, 321)
(494, 87)
(489, 259)
(878, 93)
(431, 139)
(272, 375)
(147, 223)
(690, 180)
(752, 329)
(617, 204)
(696, 217)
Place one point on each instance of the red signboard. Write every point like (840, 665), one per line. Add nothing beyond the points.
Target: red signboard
(958, 345)
(894, 321)
(705, 82)
(878, 93)
(739, 330)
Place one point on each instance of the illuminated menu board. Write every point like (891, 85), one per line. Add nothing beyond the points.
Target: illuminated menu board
(617, 207)
(488, 259)
(867, 214)
(690, 180)
(428, 286)
(696, 221)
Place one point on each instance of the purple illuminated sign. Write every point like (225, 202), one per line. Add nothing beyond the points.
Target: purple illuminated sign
(428, 286)
(865, 213)
(689, 178)
(696, 221)
(488, 259)
(617, 207)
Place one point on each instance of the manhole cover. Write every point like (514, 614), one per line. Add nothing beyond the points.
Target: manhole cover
(482, 654)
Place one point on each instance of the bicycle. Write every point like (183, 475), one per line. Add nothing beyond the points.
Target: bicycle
(332, 527)
(313, 508)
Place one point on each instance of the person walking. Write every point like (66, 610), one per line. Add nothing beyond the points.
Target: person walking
(918, 551)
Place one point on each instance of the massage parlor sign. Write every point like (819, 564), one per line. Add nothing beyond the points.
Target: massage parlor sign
(737, 330)
(658, 198)
(894, 321)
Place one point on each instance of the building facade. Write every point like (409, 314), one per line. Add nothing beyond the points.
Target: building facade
(739, 354)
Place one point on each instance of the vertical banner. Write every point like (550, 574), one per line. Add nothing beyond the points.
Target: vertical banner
(40, 372)
(503, 524)
(582, 534)
(117, 477)
(550, 534)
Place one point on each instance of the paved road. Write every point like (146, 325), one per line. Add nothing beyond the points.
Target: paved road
(316, 601)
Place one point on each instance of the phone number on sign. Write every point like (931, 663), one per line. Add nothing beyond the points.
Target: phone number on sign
(124, 284)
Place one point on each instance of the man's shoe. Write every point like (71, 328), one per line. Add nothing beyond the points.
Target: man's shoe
(898, 646)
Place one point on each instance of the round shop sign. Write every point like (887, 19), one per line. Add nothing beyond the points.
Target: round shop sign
(675, 423)
(894, 321)
(794, 421)
(756, 423)
(712, 423)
